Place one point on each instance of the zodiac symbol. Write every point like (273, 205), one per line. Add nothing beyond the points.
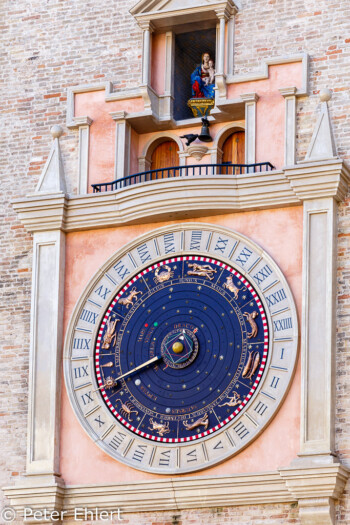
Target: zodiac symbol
(127, 301)
(161, 428)
(253, 325)
(163, 276)
(203, 270)
(251, 365)
(232, 401)
(110, 334)
(126, 409)
(204, 420)
(230, 286)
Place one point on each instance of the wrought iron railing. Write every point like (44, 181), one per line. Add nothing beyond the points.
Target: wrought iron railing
(183, 171)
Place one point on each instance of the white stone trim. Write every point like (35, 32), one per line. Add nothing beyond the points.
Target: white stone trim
(159, 11)
(316, 490)
(158, 109)
(227, 130)
(263, 71)
(122, 145)
(309, 485)
(183, 195)
(45, 352)
(220, 59)
(83, 169)
(230, 45)
(157, 138)
(315, 180)
(250, 100)
(319, 309)
(166, 100)
(147, 29)
(289, 95)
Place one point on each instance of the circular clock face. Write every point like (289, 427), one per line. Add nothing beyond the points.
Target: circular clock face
(181, 349)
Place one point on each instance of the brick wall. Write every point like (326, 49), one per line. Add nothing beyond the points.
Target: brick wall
(49, 45)
(272, 28)
(253, 515)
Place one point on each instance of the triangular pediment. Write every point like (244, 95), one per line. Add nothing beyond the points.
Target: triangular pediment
(156, 6)
(157, 9)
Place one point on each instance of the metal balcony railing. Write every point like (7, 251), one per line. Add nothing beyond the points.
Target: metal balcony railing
(183, 171)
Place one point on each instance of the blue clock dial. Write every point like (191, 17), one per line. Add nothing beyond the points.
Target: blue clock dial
(181, 349)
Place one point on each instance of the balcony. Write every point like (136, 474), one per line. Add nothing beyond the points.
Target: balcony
(205, 170)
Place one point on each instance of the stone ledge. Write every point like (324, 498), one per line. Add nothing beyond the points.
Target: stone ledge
(159, 495)
(315, 180)
(184, 197)
(288, 485)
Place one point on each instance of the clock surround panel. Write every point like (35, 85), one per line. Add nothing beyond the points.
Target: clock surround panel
(181, 449)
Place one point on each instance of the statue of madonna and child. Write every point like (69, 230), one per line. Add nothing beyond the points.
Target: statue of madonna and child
(203, 84)
(203, 78)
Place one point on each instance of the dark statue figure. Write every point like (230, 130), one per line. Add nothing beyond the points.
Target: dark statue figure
(203, 78)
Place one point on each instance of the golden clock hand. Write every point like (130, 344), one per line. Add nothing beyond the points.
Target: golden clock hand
(146, 363)
(139, 367)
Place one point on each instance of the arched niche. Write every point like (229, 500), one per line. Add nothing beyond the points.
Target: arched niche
(145, 160)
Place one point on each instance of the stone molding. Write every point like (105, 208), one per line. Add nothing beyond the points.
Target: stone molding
(156, 113)
(250, 100)
(160, 14)
(316, 491)
(46, 334)
(315, 180)
(286, 485)
(183, 197)
(263, 72)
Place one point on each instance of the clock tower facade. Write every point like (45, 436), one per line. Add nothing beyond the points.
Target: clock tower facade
(185, 333)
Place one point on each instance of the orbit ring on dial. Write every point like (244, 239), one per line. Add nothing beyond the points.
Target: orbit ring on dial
(183, 399)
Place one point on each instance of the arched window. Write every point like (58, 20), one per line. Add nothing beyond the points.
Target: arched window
(233, 149)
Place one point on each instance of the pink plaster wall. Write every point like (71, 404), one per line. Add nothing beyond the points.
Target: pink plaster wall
(158, 63)
(270, 109)
(280, 233)
(102, 131)
(270, 117)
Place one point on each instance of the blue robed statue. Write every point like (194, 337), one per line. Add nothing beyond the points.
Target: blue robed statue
(203, 78)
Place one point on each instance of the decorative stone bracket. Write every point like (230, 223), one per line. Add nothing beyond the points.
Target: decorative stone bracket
(316, 491)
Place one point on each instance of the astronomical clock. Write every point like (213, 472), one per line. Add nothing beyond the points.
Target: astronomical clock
(181, 349)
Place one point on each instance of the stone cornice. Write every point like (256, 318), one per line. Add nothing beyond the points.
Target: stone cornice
(322, 481)
(315, 180)
(182, 197)
(284, 486)
(161, 15)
